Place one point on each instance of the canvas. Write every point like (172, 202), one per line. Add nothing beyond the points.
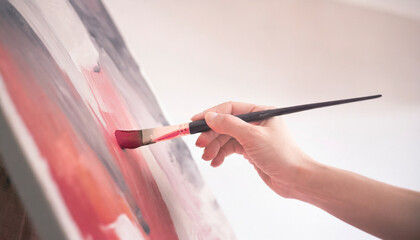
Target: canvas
(67, 82)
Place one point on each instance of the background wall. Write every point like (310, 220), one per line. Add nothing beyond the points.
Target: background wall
(196, 54)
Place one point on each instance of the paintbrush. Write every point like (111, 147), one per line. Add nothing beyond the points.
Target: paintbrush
(138, 138)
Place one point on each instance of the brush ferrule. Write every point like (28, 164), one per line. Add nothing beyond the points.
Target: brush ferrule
(154, 135)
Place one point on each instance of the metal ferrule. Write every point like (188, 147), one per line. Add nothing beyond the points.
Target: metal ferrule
(153, 135)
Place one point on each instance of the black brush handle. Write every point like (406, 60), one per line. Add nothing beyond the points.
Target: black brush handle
(201, 125)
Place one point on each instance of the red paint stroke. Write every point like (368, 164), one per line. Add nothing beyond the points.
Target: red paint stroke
(129, 139)
(90, 194)
(132, 164)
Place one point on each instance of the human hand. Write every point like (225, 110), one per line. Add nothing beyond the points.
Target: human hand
(380, 209)
(267, 145)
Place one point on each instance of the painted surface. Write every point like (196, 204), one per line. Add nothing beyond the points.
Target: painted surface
(67, 82)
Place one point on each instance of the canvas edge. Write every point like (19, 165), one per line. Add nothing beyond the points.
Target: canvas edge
(29, 190)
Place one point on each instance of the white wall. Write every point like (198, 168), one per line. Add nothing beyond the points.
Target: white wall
(196, 54)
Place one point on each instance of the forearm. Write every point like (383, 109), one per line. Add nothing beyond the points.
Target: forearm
(380, 209)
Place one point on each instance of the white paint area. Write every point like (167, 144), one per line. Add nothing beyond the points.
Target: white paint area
(38, 164)
(124, 228)
(68, 29)
(60, 29)
(192, 211)
(179, 218)
(197, 54)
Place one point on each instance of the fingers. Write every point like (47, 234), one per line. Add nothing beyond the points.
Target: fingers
(230, 125)
(233, 108)
(205, 138)
(229, 133)
(213, 148)
(230, 147)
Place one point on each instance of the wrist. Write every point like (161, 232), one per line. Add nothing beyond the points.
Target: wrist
(306, 178)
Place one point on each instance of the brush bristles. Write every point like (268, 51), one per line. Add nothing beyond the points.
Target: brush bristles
(129, 139)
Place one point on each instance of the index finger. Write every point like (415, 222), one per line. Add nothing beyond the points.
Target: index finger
(233, 108)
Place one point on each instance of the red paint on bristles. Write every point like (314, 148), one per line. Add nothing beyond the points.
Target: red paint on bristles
(129, 139)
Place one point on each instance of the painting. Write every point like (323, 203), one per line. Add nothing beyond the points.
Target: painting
(67, 82)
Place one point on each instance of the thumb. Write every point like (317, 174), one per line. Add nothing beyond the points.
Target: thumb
(230, 125)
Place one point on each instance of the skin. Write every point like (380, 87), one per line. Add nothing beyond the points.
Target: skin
(380, 209)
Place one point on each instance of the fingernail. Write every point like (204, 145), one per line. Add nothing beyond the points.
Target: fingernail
(205, 155)
(214, 164)
(210, 116)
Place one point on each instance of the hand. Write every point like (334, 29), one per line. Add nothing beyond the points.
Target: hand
(267, 145)
(380, 209)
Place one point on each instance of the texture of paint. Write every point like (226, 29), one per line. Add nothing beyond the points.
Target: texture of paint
(124, 228)
(68, 79)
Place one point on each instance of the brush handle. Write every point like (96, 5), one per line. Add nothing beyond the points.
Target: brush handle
(201, 125)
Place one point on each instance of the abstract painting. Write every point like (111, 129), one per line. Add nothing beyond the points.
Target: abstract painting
(67, 82)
